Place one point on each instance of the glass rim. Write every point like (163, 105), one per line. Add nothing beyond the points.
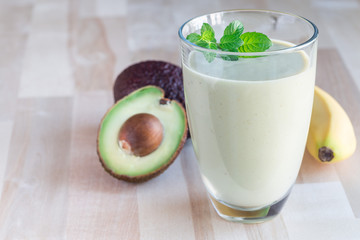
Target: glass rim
(294, 48)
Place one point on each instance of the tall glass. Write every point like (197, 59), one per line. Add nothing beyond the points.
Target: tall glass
(249, 117)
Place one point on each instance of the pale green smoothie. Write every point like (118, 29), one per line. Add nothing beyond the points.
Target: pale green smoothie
(249, 121)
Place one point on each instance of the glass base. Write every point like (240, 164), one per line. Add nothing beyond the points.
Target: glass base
(244, 215)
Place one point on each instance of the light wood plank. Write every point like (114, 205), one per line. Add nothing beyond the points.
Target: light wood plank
(329, 230)
(157, 32)
(46, 68)
(346, 36)
(111, 8)
(91, 57)
(115, 30)
(12, 49)
(83, 8)
(101, 8)
(49, 17)
(308, 206)
(6, 128)
(33, 204)
(14, 25)
(14, 19)
(317, 201)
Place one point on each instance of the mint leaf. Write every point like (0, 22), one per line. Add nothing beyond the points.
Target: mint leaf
(207, 28)
(254, 42)
(208, 36)
(207, 44)
(207, 39)
(235, 27)
(193, 37)
(230, 42)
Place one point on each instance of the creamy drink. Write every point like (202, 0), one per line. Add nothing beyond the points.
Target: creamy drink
(249, 79)
(237, 114)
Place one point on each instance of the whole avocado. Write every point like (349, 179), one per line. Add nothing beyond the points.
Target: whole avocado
(158, 73)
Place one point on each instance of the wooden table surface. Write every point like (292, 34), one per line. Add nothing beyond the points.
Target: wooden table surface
(58, 62)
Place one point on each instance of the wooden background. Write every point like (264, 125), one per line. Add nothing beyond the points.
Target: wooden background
(58, 61)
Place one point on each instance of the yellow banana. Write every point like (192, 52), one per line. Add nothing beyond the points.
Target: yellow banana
(331, 135)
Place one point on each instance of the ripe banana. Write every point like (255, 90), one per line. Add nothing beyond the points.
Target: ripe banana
(331, 135)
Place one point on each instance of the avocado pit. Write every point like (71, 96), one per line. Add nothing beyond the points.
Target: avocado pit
(141, 134)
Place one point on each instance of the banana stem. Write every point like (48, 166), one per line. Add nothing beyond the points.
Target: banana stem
(325, 154)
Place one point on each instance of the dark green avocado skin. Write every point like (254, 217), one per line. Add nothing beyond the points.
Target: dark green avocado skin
(158, 73)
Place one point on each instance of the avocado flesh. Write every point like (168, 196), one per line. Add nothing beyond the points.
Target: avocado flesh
(144, 100)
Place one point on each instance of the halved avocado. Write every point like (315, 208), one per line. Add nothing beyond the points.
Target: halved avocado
(141, 135)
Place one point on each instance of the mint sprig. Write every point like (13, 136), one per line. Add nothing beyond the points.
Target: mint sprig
(233, 40)
(205, 40)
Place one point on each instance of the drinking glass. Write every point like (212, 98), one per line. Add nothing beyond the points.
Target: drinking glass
(249, 112)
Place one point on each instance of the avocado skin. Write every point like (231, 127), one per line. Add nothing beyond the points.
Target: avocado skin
(157, 73)
(150, 175)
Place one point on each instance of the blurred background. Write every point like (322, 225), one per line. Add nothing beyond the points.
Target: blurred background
(74, 46)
